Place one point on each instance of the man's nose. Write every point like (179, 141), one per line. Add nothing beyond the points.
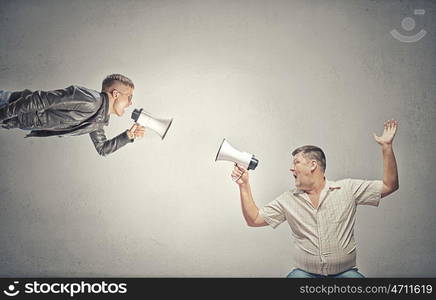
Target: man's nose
(291, 169)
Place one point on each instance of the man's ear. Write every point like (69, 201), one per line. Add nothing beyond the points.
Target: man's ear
(115, 94)
(313, 165)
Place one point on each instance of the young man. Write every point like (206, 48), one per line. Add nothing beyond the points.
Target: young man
(321, 213)
(74, 110)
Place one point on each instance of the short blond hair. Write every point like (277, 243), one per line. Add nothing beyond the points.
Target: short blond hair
(112, 79)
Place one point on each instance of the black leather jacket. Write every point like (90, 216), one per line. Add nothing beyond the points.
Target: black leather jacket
(71, 111)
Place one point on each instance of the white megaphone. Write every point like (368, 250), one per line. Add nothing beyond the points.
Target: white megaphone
(160, 126)
(228, 153)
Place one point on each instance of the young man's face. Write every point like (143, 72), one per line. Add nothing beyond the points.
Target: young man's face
(301, 170)
(123, 98)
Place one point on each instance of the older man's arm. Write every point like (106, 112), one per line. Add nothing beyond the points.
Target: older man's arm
(390, 172)
(249, 209)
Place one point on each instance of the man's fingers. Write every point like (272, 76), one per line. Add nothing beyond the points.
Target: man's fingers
(237, 173)
(137, 130)
(236, 178)
(241, 168)
(376, 137)
(391, 125)
(394, 124)
(133, 128)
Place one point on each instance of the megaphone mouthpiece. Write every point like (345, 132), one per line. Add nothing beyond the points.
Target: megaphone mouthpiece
(136, 114)
(253, 163)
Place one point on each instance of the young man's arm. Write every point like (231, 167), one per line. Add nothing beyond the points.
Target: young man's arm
(105, 146)
(249, 208)
(31, 102)
(390, 172)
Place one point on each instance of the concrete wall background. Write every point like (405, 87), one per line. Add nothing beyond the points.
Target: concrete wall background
(269, 76)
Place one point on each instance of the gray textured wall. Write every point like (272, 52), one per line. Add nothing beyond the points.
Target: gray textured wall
(267, 75)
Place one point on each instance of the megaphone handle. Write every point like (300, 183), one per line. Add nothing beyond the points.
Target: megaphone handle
(243, 172)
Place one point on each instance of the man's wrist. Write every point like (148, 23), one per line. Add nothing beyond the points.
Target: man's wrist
(130, 135)
(387, 147)
(245, 185)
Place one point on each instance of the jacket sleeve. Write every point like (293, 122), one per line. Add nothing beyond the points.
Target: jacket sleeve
(32, 102)
(105, 146)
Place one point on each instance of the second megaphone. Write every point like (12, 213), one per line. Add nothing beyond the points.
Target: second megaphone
(160, 126)
(228, 153)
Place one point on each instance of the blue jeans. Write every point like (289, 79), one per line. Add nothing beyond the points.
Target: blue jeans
(4, 97)
(298, 273)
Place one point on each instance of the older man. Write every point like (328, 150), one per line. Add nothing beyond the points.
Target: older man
(322, 213)
(74, 110)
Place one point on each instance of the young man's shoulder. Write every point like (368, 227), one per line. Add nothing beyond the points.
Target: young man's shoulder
(84, 94)
(84, 90)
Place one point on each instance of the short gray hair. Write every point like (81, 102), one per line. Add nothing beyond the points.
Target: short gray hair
(312, 152)
(110, 80)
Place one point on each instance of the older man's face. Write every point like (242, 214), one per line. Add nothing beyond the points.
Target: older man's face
(301, 170)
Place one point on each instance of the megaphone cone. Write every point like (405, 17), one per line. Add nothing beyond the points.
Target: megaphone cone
(160, 126)
(228, 153)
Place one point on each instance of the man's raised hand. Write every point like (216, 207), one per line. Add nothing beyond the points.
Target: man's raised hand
(390, 128)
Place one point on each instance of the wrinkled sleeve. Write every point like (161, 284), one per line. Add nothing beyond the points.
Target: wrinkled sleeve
(32, 102)
(366, 192)
(273, 213)
(105, 146)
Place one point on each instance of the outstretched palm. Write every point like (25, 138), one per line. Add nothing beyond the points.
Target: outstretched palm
(390, 128)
